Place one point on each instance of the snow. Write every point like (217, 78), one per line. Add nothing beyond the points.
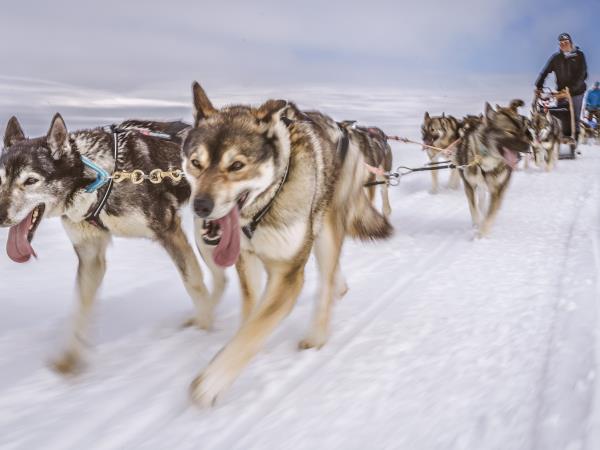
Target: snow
(442, 342)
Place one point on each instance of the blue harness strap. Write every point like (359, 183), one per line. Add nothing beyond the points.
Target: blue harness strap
(102, 176)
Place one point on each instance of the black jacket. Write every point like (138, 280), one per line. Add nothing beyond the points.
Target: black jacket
(570, 72)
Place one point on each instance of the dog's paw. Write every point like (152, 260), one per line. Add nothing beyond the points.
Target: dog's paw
(313, 341)
(342, 289)
(206, 388)
(204, 322)
(70, 363)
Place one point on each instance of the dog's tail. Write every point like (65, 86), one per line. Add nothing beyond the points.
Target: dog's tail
(516, 104)
(366, 223)
(363, 221)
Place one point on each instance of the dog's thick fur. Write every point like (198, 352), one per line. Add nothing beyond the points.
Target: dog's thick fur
(49, 171)
(547, 135)
(440, 131)
(236, 157)
(376, 150)
(489, 151)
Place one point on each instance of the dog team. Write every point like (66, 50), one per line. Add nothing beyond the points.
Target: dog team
(268, 186)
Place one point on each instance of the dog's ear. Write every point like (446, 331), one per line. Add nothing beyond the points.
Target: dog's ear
(58, 137)
(489, 113)
(427, 117)
(443, 115)
(271, 110)
(14, 132)
(203, 108)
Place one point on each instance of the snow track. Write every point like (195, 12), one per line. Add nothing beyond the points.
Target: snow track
(442, 342)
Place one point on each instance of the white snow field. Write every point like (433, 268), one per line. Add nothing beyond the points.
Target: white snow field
(442, 342)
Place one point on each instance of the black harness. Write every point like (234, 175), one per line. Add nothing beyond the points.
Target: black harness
(93, 217)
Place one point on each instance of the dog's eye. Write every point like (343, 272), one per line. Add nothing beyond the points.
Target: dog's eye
(196, 164)
(237, 165)
(29, 181)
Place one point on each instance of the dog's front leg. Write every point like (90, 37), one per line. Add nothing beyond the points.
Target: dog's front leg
(249, 268)
(91, 252)
(496, 197)
(327, 251)
(283, 286)
(454, 181)
(433, 156)
(470, 193)
(179, 249)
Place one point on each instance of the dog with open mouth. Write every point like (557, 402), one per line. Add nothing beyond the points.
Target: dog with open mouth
(57, 175)
(270, 185)
(488, 153)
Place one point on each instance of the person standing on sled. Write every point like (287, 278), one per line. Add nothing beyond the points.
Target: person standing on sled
(570, 69)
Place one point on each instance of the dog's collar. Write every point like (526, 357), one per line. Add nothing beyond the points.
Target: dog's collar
(342, 151)
(250, 228)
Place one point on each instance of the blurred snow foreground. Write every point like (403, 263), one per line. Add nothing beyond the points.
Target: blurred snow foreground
(442, 342)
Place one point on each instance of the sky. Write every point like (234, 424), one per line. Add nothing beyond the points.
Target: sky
(65, 51)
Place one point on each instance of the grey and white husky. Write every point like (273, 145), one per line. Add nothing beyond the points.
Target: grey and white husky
(46, 177)
(441, 132)
(273, 184)
(547, 135)
(488, 152)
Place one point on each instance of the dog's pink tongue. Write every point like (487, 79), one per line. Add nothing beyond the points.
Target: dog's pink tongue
(18, 247)
(228, 249)
(510, 157)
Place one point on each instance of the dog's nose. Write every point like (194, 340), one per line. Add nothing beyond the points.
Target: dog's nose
(203, 205)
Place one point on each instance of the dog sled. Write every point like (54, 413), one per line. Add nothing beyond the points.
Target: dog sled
(560, 105)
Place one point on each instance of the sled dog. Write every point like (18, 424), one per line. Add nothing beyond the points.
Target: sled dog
(440, 131)
(547, 135)
(292, 184)
(488, 153)
(47, 177)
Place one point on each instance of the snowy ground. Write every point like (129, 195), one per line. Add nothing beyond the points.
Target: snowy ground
(441, 343)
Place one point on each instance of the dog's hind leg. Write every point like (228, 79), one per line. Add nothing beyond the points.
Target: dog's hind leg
(327, 248)
(249, 269)
(90, 246)
(283, 286)
(179, 249)
(385, 198)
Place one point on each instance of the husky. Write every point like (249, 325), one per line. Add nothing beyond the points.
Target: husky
(487, 155)
(46, 177)
(442, 132)
(547, 135)
(376, 150)
(273, 184)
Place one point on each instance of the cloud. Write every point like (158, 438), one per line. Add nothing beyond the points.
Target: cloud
(129, 47)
